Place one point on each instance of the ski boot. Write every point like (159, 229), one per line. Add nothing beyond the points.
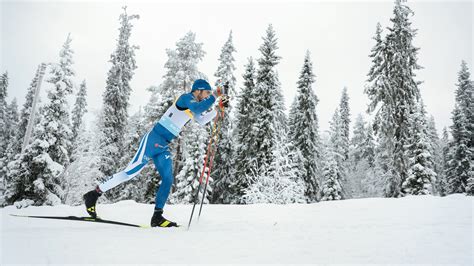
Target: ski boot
(159, 221)
(90, 199)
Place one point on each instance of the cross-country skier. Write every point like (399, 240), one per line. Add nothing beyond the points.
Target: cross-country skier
(154, 145)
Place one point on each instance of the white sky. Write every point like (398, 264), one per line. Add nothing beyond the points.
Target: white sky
(338, 34)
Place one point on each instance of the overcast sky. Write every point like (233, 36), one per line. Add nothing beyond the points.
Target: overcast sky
(338, 35)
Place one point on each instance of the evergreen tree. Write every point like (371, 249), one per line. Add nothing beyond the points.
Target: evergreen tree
(36, 177)
(115, 99)
(435, 151)
(270, 124)
(465, 99)
(336, 149)
(331, 189)
(245, 119)
(3, 134)
(224, 153)
(420, 173)
(361, 168)
(345, 122)
(358, 140)
(445, 149)
(303, 128)
(14, 145)
(37, 174)
(393, 91)
(369, 146)
(80, 175)
(226, 68)
(79, 111)
(461, 166)
(3, 114)
(11, 129)
(286, 186)
(56, 120)
(356, 157)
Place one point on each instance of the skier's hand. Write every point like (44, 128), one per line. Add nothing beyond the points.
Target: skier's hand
(224, 101)
(222, 90)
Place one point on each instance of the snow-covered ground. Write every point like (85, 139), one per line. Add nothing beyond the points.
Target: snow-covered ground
(421, 229)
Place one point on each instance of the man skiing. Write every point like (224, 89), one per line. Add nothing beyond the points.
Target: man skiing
(154, 145)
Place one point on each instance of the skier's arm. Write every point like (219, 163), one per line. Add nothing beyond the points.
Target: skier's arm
(205, 117)
(188, 102)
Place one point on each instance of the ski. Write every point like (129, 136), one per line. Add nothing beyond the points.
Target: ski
(82, 219)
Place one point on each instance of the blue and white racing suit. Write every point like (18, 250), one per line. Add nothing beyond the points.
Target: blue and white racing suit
(154, 144)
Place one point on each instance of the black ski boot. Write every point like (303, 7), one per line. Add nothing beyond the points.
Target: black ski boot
(159, 221)
(90, 199)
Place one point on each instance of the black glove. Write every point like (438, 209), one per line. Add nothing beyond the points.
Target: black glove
(222, 89)
(224, 101)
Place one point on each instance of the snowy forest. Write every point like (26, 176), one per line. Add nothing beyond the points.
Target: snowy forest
(49, 155)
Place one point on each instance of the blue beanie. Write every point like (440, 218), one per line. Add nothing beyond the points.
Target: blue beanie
(201, 84)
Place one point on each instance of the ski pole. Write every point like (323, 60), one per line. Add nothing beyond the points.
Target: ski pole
(204, 168)
(211, 161)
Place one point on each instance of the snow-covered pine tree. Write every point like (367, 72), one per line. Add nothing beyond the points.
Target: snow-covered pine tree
(11, 130)
(270, 124)
(393, 90)
(115, 99)
(371, 183)
(37, 174)
(461, 164)
(465, 99)
(331, 188)
(80, 175)
(304, 129)
(8, 125)
(187, 180)
(419, 159)
(336, 150)
(3, 113)
(435, 151)
(357, 148)
(244, 156)
(224, 153)
(56, 120)
(445, 154)
(3, 134)
(356, 158)
(78, 112)
(369, 146)
(9, 122)
(14, 146)
(34, 177)
(344, 112)
(286, 186)
(226, 68)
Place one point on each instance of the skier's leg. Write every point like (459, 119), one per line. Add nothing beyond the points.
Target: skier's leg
(163, 164)
(133, 169)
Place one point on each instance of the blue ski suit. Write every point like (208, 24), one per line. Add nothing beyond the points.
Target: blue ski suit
(154, 144)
